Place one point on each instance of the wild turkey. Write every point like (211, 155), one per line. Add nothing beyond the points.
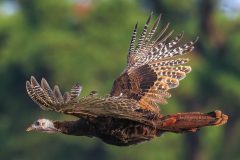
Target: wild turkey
(129, 114)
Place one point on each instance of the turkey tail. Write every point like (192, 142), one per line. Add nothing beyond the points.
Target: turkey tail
(192, 121)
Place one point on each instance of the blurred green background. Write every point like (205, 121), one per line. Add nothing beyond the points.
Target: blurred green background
(86, 41)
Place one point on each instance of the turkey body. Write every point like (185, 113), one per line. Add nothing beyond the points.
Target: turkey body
(120, 132)
(125, 132)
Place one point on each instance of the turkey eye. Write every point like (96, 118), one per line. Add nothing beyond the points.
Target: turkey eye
(37, 123)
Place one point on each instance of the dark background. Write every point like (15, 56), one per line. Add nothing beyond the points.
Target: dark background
(86, 41)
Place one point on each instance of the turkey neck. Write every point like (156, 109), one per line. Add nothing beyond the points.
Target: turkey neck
(79, 127)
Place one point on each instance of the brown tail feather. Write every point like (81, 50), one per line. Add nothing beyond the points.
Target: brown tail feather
(191, 122)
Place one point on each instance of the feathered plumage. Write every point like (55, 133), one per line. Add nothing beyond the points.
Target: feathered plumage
(130, 113)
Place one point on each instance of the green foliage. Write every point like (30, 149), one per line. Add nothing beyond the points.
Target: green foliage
(68, 42)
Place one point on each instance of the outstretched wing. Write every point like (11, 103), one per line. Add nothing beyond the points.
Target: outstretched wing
(91, 105)
(153, 67)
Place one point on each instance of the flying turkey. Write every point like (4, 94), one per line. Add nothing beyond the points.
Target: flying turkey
(130, 113)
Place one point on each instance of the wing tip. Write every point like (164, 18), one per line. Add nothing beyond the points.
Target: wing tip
(33, 81)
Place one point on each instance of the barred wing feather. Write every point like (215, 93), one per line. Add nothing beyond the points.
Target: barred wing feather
(153, 66)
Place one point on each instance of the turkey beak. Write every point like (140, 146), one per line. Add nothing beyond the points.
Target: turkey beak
(30, 128)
